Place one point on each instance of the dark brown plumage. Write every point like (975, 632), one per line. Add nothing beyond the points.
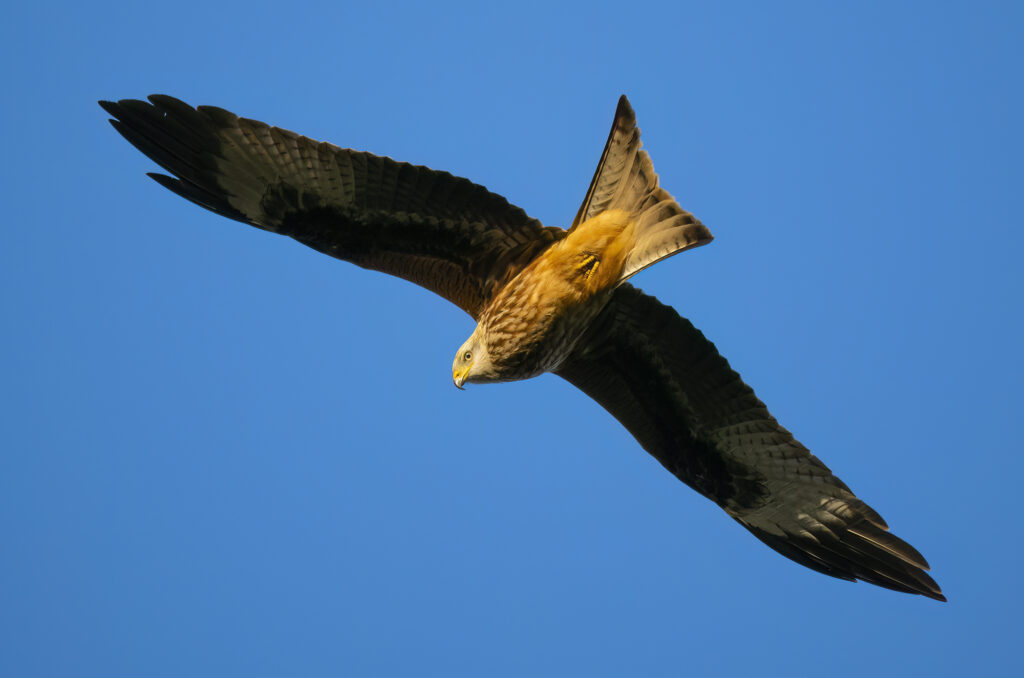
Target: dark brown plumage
(545, 300)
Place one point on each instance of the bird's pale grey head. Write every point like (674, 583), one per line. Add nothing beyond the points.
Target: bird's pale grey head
(473, 362)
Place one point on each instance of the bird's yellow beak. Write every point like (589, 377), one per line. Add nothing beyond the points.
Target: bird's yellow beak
(459, 376)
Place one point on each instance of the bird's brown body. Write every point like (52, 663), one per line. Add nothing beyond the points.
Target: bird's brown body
(545, 300)
(534, 322)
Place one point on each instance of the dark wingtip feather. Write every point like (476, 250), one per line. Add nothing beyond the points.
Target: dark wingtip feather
(881, 538)
(196, 194)
(849, 560)
(174, 136)
(108, 106)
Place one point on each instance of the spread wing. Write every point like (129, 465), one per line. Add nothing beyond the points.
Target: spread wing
(439, 231)
(668, 385)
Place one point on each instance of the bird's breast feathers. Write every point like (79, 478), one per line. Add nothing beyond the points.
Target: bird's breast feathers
(535, 322)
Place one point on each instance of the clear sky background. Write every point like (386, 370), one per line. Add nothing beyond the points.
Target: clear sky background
(222, 453)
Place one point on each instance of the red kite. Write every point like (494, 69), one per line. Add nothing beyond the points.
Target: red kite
(545, 300)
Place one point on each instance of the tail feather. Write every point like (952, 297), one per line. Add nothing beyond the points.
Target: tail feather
(625, 179)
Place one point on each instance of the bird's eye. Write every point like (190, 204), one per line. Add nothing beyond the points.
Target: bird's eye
(467, 356)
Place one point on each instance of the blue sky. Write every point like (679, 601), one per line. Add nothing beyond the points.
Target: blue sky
(225, 454)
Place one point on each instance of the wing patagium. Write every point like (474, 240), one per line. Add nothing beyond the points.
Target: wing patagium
(649, 367)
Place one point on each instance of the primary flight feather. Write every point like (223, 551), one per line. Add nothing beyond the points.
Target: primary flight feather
(545, 300)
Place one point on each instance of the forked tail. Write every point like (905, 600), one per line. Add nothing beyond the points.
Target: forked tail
(625, 179)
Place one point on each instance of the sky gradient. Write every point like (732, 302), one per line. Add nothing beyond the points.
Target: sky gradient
(225, 454)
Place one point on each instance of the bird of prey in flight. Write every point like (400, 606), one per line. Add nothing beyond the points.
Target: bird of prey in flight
(545, 300)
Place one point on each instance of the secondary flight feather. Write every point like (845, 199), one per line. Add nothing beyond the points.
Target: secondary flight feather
(545, 300)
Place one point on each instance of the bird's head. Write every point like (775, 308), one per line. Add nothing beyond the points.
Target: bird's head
(473, 362)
